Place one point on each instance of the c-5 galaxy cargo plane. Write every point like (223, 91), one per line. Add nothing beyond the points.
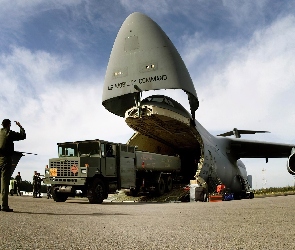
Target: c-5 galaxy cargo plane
(143, 58)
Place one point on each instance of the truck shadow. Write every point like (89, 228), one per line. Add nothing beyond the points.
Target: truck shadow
(75, 214)
(121, 203)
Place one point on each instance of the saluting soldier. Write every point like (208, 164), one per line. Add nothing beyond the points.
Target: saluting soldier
(7, 137)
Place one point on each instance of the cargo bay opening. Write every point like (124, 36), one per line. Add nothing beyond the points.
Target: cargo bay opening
(164, 126)
(189, 156)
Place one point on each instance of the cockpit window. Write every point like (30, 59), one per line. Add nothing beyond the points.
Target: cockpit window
(157, 99)
(166, 100)
(160, 99)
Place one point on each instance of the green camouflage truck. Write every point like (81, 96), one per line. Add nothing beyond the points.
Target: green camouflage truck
(96, 168)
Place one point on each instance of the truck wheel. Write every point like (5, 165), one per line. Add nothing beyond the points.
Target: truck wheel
(134, 192)
(161, 187)
(237, 196)
(96, 193)
(169, 184)
(59, 197)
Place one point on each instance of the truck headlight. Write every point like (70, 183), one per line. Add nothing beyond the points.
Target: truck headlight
(47, 171)
(84, 171)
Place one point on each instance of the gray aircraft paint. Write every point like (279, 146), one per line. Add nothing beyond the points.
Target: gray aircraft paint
(146, 58)
(143, 55)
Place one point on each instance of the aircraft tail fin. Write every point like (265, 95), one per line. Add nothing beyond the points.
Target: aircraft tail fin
(237, 133)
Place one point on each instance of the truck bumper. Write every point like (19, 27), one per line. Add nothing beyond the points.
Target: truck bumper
(65, 189)
(65, 181)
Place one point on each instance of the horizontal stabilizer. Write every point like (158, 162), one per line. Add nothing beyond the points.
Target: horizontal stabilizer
(237, 133)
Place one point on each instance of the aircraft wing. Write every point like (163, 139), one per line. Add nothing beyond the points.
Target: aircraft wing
(258, 149)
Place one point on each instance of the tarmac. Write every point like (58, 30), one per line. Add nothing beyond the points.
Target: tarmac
(261, 223)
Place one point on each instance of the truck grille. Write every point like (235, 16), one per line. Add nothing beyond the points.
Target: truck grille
(66, 168)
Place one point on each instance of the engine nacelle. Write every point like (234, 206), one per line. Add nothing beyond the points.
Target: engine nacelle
(291, 163)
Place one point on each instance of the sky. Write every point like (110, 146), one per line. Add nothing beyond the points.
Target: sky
(240, 55)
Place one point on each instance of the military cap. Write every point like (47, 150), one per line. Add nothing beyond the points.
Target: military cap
(6, 122)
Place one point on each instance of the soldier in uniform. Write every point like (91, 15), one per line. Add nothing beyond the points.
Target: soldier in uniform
(49, 196)
(35, 184)
(7, 137)
(18, 180)
(39, 180)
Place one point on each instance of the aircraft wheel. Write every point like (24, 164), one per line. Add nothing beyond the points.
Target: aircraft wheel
(237, 196)
(169, 184)
(97, 191)
(161, 187)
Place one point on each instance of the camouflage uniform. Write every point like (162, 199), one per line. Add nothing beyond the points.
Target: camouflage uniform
(49, 196)
(7, 137)
(18, 180)
(39, 180)
(35, 184)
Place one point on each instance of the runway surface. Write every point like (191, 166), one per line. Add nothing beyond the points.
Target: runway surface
(261, 223)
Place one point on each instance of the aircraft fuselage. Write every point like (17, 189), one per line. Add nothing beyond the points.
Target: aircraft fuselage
(143, 58)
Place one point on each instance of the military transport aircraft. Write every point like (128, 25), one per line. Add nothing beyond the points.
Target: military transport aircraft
(143, 58)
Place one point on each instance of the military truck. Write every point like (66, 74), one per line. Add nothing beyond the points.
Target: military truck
(96, 168)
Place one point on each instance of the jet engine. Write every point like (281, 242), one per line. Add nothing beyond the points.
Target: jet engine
(291, 163)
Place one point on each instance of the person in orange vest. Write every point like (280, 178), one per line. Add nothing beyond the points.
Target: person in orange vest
(220, 188)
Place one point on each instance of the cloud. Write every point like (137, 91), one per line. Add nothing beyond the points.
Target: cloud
(52, 109)
(15, 16)
(239, 12)
(25, 74)
(57, 26)
(148, 6)
(251, 86)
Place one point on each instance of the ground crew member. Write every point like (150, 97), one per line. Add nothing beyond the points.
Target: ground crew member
(49, 196)
(11, 187)
(7, 137)
(18, 180)
(35, 184)
(39, 180)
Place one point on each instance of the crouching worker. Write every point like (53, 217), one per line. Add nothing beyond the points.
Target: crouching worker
(7, 137)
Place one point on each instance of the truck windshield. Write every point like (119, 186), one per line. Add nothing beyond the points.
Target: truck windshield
(67, 150)
(88, 148)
